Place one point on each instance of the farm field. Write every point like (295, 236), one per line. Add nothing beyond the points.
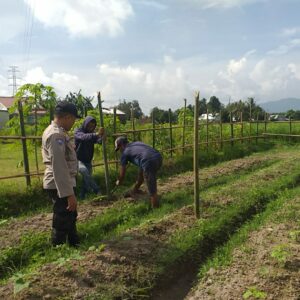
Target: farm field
(129, 251)
(261, 261)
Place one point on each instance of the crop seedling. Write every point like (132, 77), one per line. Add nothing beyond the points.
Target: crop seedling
(19, 283)
(252, 291)
(281, 253)
(295, 235)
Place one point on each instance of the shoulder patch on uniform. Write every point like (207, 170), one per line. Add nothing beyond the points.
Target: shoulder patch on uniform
(60, 141)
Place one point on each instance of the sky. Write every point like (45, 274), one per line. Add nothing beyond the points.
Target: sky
(156, 52)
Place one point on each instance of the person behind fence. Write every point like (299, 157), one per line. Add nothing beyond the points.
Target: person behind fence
(146, 158)
(59, 180)
(85, 139)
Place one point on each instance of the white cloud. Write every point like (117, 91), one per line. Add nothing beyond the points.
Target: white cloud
(83, 17)
(4, 91)
(62, 82)
(285, 48)
(159, 85)
(290, 31)
(235, 66)
(295, 70)
(205, 4)
(167, 82)
(154, 4)
(270, 77)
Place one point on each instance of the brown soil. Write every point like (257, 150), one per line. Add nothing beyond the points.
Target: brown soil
(119, 265)
(11, 233)
(253, 266)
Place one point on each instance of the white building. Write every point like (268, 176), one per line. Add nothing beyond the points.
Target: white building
(4, 115)
(209, 117)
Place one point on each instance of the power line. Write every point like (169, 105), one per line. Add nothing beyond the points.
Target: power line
(27, 36)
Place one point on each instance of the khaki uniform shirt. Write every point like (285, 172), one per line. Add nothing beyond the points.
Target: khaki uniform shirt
(60, 159)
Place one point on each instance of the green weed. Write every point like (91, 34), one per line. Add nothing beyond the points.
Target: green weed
(253, 292)
(281, 253)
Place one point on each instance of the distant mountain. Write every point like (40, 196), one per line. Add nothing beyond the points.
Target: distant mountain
(282, 105)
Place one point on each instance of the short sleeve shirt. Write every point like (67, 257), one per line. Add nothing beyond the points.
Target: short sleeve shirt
(139, 154)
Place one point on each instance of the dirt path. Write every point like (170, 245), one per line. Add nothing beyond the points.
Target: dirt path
(11, 233)
(267, 266)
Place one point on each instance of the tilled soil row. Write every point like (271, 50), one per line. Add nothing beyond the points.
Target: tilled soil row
(267, 266)
(130, 258)
(11, 233)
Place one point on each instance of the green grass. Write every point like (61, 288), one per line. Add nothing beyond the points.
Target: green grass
(223, 255)
(17, 200)
(205, 235)
(34, 250)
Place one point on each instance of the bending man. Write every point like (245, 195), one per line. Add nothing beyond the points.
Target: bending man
(146, 158)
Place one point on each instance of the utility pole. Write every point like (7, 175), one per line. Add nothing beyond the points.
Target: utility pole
(13, 70)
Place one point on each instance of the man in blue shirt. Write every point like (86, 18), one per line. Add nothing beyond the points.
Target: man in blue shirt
(146, 158)
(85, 139)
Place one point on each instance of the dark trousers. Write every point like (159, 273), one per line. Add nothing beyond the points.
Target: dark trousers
(150, 175)
(63, 221)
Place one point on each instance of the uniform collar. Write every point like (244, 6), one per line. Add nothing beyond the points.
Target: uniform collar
(59, 127)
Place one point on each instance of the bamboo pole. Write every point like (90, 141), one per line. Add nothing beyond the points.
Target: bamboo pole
(115, 131)
(290, 120)
(24, 144)
(242, 126)
(183, 129)
(221, 130)
(196, 156)
(265, 129)
(231, 129)
(132, 124)
(206, 138)
(51, 113)
(171, 134)
(250, 120)
(104, 147)
(36, 130)
(153, 129)
(256, 128)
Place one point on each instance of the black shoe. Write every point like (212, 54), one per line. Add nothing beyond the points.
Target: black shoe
(73, 239)
(58, 237)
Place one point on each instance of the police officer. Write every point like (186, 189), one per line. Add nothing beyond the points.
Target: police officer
(59, 180)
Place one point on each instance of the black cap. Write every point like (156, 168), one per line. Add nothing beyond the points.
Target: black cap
(121, 140)
(66, 107)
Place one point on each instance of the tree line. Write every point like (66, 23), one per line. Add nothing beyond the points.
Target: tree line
(41, 96)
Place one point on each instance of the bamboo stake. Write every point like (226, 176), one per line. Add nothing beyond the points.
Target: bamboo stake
(153, 129)
(115, 131)
(250, 120)
(104, 147)
(36, 129)
(290, 128)
(242, 126)
(231, 129)
(196, 157)
(132, 124)
(265, 130)
(206, 129)
(24, 145)
(256, 128)
(171, 135)
(183, 129)
(221, 130)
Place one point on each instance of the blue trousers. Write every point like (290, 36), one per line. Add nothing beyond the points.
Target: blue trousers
(88, 183)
